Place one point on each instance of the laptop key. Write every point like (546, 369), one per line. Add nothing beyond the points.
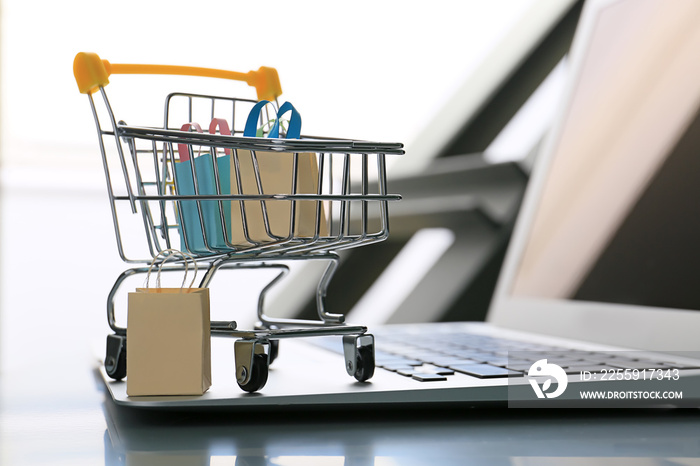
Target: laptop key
(519, 366)
(604, 358)
(571, 362)
(596, 369)
(682, 365)
(388, 358)
(396, 368)
(472, 355)
(447, 362)
(438, 370)
(428, 377)
(525, 366)
(484, 371)
(393, 366)
(504, 362)
(636, 364)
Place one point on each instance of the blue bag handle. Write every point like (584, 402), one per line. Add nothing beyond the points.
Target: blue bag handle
(294, 130)
(251, 124)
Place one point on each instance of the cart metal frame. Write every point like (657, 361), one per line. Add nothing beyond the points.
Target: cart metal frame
(139, 171)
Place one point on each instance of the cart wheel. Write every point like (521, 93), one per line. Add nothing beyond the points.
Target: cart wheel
(364, 368)
(274, 350)
(258, 377)
(274, 344)
(115, 359)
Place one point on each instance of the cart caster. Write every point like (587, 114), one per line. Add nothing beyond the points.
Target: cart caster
(274, 344)
(364, 369)
(251, 365)
(274, 350)
(258, 377)
(115, 359)
(359, 356)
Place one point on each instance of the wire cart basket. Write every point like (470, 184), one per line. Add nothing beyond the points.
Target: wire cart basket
(346, 206)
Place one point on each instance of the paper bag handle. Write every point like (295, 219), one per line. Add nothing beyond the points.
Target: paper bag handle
(251, 125)
(170, 254)
(294, 130)
(182, 150)
(216, 123)
(222, 125)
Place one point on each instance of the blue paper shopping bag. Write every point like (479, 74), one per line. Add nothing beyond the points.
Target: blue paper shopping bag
(212, 212)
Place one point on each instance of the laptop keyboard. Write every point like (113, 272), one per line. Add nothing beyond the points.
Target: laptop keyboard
(432, 356)
(442, 355)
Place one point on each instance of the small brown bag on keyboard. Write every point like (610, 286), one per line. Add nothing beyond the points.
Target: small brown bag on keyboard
(168, 340)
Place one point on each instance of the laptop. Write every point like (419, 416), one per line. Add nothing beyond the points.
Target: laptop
(597, 293)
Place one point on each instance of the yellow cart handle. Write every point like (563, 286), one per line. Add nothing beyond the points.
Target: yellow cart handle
(91, 72)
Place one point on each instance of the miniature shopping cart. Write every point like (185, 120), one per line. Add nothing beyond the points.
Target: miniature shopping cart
(348, 205)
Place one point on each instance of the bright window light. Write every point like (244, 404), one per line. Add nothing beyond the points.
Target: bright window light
(362, 70)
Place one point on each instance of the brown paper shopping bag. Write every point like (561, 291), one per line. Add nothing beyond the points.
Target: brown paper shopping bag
(168, 341)
(275, 174)
(276, 171)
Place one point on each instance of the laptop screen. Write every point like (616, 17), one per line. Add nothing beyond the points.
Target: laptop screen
(609, 229)
(618, 219)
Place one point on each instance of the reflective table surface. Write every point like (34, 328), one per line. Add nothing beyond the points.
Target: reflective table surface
(54, 410)
(63, 416)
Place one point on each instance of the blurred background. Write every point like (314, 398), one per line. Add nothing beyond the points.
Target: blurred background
(468, 86)
(366, 70)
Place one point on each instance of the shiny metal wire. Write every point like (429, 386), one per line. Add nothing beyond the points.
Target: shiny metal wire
(139, 170)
